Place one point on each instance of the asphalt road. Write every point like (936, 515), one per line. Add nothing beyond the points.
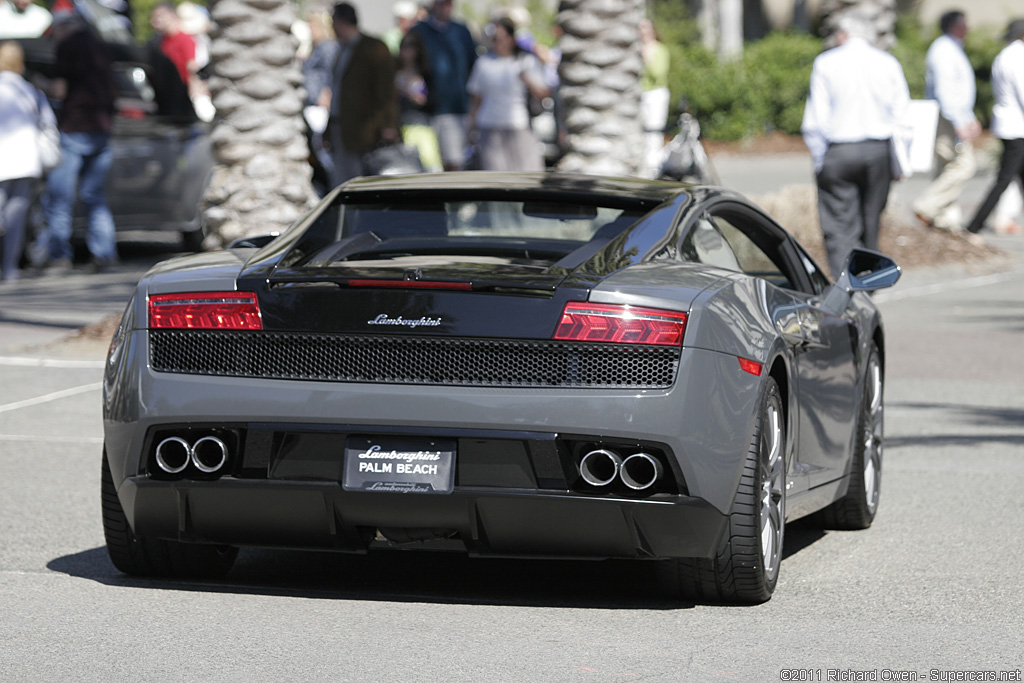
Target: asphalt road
(933, 587)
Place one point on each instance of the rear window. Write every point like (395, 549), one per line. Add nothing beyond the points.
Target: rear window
(546, 230)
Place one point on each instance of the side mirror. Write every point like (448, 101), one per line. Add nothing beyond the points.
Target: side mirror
(865, 271)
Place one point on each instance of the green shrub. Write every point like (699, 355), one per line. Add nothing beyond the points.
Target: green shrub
(141, 11)
(761, 92)
(779, 73)
(911, 46)
(766, 88)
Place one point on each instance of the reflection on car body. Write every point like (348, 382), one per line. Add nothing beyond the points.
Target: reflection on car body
(503, 364)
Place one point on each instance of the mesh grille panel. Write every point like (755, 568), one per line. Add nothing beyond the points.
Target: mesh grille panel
(412, 360)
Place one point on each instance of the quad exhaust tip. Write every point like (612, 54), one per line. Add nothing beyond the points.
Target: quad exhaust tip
(173, 455)
(640, 471)
(601, 467)
(208, 454)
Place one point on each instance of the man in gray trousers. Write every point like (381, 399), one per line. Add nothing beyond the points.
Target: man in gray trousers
(858, 98)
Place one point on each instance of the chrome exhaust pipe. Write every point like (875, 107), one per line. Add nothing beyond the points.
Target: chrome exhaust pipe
(639, 471)
(600, 467)
(172, 454)
(209, 454)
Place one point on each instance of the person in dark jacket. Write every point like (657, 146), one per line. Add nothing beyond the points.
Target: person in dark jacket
(364, 110)
(84, 80)
(451, 53)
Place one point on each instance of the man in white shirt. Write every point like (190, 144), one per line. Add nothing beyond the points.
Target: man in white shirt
(949, 79)
(858, 96)
(1007, 118)
(23, 19)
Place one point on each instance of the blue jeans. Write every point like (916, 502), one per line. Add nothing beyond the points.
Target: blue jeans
(84, 165)
(15, 198)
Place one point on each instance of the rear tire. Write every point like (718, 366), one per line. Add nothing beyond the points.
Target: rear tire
(746, 568)
(139, 556)
(856, 510)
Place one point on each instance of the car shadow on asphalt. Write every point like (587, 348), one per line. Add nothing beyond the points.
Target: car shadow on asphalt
(415, 577)
(801, 534)
(425, 577)
(1000, 315)
(967, 425)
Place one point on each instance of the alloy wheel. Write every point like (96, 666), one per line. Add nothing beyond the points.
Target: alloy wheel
(873, 435)
(772, 488)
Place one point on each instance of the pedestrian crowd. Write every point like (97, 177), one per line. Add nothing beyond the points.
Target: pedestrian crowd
(950, 82)
(856, 127)
(83, 80)
(71, 151)
(427, 96)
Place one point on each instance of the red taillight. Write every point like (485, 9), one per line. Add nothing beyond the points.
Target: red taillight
(621, 324)
(205, 311)
(751, 366)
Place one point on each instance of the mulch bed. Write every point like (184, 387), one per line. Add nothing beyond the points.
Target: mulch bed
(911, 243)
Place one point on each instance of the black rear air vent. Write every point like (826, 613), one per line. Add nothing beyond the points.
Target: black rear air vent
(413, 360)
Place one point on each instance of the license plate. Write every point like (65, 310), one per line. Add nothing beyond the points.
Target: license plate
(399, 465)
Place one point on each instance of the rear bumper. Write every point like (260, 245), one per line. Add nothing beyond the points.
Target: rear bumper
(321, 515)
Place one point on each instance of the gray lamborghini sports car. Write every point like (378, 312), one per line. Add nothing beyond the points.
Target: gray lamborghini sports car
(505, 364)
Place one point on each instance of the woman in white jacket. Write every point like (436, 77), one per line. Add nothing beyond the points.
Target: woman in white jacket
(21, 106)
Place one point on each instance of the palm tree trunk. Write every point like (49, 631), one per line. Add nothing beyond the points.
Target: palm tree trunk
(262, 178)
(600, 85)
